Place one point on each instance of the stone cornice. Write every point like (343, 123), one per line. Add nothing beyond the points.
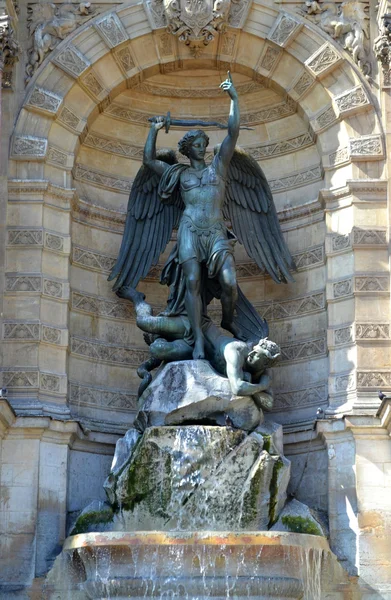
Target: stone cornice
(356, 191)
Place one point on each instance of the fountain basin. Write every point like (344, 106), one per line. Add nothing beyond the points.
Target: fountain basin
(189, 565)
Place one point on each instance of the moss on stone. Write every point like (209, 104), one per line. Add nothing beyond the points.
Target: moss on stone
(298, 524)
(267, 439)
(95, 517)
(274, 492)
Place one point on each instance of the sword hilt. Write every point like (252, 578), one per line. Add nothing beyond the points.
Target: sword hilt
(167, 121)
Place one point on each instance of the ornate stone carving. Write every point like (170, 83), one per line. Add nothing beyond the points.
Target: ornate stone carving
(196, 23)
(72, 61)
(54, 242)
(111, 30)
(303, 84)
(270, 58)
(342, 288)
(92, 84)
(9, 48)
(352, 100)
(366, 146)
(296, 307)
(296, 179)
(48, 25)
(82, 395)
(29, 146)
(326, 118)
(178, 92)
(281, 147)
(238, 13)
(155, 12)
(348, 24)
(284, 29)
(382, 46)
(344, 383)
(23, 283)
(309, 258)
(44, 100)
(344, 335)
(340, 242)
(228, 44)
(310, 396)
(21, 379)
(101, 307)
(372, 284)
(339, 156)
(105, 180)
(369, 237)
(21, 331)
(69, 118)
(57, 157)
(51, 335)
(92, 260)
(50, 382)
(109, 353)
(373, 379)
(52, 288)
(373, 331)
(303, 350)
(25, 237)
(124, 58)
(323, 60)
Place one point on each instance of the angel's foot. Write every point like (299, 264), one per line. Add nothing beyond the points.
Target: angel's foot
(199, 351)
(129, 293)
(236, 331)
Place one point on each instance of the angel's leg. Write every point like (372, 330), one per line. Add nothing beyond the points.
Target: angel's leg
(192, 272)
(229, 294)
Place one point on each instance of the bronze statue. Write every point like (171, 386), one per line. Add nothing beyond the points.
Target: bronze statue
(198, 199)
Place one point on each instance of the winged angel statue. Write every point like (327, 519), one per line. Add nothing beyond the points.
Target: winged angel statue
(199, 199)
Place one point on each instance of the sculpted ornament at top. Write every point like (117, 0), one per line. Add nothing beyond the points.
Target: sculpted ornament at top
(347, 23)
(198, 198)
(196, 22)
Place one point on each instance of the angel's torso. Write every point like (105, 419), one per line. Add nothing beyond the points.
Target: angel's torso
(203, 194)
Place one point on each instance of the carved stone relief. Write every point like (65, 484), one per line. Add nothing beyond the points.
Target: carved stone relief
(21, 379)
(50, 382)
(284, 29)
(9, 50)
(325, 118)
(68, 118)
(54, 242)
(343, 335)
(323, 60)
(366, 146)
(373, 379)
(303, 84)
(21, 331)
(352, 100)
(382, 47)
(372, 284)
(25, 237)
(310, 396)
(111, 30)
(342, 288)
(270, 58)
(82, 395)
(51, 335)
(369, 237)
(23, 283)
(303, 350)
(296, 179)
(101, 351)
(44, 100)
(373, 331)
(29, 146)
(72, 61)
(92, 260)
(101, 307)
(347, 23)
(344, 383)
(52, 288)
(49, 24)
(124, 58)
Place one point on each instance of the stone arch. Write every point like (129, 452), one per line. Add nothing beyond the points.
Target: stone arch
(84, 75)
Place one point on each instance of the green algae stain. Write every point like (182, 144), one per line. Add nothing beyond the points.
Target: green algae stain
(94, 517)
(298, 524)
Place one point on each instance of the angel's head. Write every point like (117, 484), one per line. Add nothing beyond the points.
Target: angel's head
(194, 144)
(263, 355)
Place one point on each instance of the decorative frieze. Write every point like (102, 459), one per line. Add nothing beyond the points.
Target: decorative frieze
(200, 92)
(297, 179)
(23, 283)
(377, 283)
(343, 335)
(83, 395)
(28, 146)
(54, 242)
(342, 289)
(369, 237)
(309, 396)
(312, 257)
(340, 242)
(44, 101)
(374, 379)
(338, 157)
(352, 101)
(92, 260)
(25, 237)
(238, 13)
(269, 58)
(111, 29)
(124, 58)
(344, 383)
(69, 119)
(109, 353)
(326, 118)
(302, 85)
(72, 61)
(284, 29)
(325, 59)
(21, 331)
(58, 158)
(83, 173)
(304, 350)
(51, 335)
(101, 307)
(295, 307)
(93, 86)
(366, 147)
(49, 382)
(373, 331)
(282, 146)
(21, 379)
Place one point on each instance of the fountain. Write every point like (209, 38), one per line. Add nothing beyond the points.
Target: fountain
(195, 511)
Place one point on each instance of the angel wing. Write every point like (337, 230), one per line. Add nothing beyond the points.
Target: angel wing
(148, 227)
(250, 207)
